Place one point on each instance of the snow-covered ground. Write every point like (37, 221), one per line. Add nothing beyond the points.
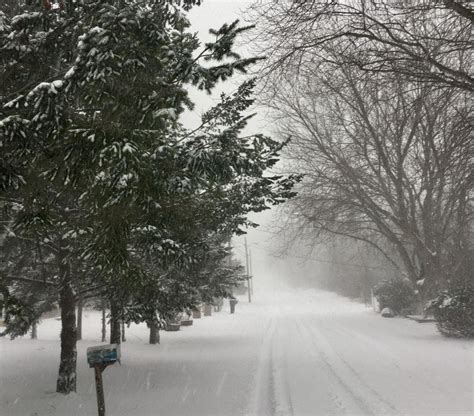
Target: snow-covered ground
(288, 353)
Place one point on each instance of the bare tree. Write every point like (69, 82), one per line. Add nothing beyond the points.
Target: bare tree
(387, 162)
(427, 41)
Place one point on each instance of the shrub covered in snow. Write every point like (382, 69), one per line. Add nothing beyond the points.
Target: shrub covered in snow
(398, 295)
(387, 313)
(453, 310)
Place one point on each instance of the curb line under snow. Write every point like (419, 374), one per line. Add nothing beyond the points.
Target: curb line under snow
(420, 319)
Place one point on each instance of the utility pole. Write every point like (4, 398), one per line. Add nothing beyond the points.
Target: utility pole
(251, 271)
(247, 264)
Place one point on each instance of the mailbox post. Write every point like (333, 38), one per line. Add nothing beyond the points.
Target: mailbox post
(99, 388)
(100, 358)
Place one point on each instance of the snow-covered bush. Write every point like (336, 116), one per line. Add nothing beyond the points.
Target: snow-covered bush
(387, 313)
(395, 294)
(453, 310)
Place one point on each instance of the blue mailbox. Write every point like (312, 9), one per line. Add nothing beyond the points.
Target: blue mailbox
(99, 358)
(103, 355)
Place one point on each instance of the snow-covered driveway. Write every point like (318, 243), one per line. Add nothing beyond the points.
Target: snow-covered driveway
(288, 353)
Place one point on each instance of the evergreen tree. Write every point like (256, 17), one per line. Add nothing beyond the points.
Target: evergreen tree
(92, 151)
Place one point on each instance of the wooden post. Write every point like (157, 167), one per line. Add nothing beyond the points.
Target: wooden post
(123, 332)
(251, 271)
(99, 388)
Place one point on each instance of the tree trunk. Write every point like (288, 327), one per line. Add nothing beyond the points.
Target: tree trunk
(66, 382)
(154, 333)
(104, 326)
(79, 319)
(123, 332)
(115, 337)
(34, 330)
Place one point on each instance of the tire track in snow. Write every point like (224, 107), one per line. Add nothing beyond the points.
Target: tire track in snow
(271, 395)
(261, 403)
(330, 391)
(388, 357)
(281, 391)
(369, 401)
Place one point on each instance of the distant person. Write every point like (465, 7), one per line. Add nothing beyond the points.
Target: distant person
(232, 301)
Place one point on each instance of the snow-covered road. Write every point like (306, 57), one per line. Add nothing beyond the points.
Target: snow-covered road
(330, 356)
(288, 353)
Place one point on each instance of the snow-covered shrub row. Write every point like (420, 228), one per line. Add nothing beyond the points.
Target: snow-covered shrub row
(396, 294)
(453, 310)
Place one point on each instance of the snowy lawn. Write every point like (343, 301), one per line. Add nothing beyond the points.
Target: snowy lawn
(288, 353)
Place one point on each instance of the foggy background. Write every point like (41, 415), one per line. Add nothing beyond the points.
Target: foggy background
(271, 269)
(277, 259)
